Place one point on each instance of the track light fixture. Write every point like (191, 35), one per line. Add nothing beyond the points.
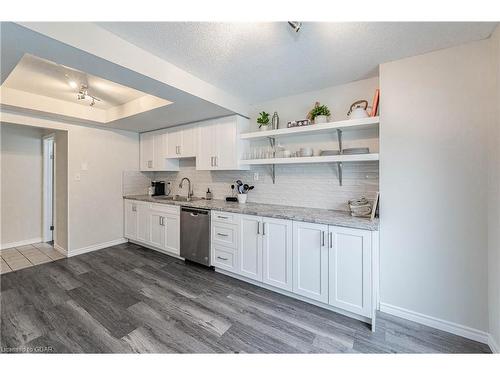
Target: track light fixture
(84, 94)
(295, 25)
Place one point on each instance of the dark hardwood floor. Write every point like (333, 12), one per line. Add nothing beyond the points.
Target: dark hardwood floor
(130, 299)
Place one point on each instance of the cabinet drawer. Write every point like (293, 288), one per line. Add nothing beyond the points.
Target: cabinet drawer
(225, 234)
(224, 258)
(224, 217)
(165, 208)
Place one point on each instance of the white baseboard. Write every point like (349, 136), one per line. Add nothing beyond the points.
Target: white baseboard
(61, 249)
(443, 325)
(495, 348)
(88, 249)
(21, 243)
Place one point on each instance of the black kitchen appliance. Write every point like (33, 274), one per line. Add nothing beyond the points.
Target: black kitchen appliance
(158, 187)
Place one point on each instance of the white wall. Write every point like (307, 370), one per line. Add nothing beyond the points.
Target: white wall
(433, 184)
(21, 176)
(95, 204)
(494, 207)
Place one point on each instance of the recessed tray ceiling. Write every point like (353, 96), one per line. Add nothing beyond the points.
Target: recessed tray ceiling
(43, 85)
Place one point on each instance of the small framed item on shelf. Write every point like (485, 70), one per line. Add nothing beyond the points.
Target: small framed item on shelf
(293, 124)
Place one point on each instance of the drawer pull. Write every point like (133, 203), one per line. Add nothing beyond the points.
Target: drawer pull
(221, 234)
(222, 217)
(221, 258)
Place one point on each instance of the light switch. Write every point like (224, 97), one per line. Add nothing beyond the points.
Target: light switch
(77, 177)
(85, 166)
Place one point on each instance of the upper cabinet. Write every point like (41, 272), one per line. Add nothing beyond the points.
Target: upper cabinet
(153, 152)
(216, 144)
(219, 144)
(182, 142)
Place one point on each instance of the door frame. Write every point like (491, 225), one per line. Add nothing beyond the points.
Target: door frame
(48, 186)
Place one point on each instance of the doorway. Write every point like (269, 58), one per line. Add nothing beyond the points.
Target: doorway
(48, 188)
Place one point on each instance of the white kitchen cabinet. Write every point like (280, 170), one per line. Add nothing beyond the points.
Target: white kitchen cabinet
(277, 253)
(310, 260)
(147, 151)
(130, 224)
(250, 248)
(154, 152)
(157, 234)
(224, 257)
(219, 144)
(182, 142)
(171, 223)
(350, 273)
(143, 223)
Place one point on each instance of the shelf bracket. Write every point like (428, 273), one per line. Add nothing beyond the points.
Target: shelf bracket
(272, 142)
(273, 173)
(339, 172)
(339, 137)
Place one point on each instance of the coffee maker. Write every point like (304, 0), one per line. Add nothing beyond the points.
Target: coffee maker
(158, 187)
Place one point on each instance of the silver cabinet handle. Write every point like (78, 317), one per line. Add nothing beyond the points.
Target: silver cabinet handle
(159, 220)
(258, 227)
(221, 234)
(150, 163)
(331, 240)
(216, 161)
(221, 258)
(179, 150)
(222, 217)
(322, 238)
(263, 229)
(134, 208)
(211, 161)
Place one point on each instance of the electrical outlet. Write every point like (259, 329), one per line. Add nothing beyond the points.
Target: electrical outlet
(256, 176)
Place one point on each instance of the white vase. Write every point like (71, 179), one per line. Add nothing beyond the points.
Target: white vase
(320, 120)
(242, 198)
(265, 127)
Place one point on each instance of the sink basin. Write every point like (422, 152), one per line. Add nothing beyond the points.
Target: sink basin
(178, 198)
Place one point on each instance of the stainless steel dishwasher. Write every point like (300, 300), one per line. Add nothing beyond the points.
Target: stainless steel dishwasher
(195, 235)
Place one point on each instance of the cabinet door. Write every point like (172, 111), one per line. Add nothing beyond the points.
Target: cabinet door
(224, 257)
(147, 152)
(250, 256)
(189, 140)
(277, 253)
(172, 233)
(157, 237)
(160, 150)
(143, 223)
(350, 270)
(174, 143)
(130, 225)
(205, 157)
(310, 260)
(226, 144)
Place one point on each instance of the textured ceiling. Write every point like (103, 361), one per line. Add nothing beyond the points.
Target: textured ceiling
(261, 61)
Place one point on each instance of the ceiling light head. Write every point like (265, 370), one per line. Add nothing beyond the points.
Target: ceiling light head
(73, 84)
(295, 25)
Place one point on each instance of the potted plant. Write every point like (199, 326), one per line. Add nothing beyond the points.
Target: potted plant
(263, 121)
(320, 114)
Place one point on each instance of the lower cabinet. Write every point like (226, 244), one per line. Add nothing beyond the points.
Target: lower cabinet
(277, 253)
(350, 270)
(250, 249)
(154, 225)
(310, 260)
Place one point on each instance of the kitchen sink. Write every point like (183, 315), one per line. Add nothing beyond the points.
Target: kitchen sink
(178, 198)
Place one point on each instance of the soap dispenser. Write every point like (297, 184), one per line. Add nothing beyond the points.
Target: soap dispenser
(208, 194)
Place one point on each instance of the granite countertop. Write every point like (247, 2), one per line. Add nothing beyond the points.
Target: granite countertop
(310, 215)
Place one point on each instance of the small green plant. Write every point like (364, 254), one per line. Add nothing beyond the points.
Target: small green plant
(320, 110)
(263, 119)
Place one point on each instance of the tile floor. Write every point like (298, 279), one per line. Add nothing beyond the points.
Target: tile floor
(17, 258)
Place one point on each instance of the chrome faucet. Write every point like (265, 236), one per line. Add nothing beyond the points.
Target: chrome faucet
(190, 191)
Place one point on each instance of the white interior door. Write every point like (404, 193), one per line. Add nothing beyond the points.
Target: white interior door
(277, 253)
(310, 260)
(48, 188)
(350, 270)
(250, 257)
